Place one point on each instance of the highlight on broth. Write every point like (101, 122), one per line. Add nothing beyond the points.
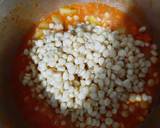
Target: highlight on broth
(88, 69)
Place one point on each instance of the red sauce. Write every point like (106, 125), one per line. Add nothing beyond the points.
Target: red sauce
(36, 112)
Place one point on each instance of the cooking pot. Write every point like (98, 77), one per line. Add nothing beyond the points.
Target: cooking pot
(17, 18)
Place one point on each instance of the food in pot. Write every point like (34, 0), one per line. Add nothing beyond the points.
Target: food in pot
(87, 65)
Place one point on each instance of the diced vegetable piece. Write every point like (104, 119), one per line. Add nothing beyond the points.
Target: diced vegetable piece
(56, 19)
(38, 34)
(93, 20)
(121, 30)
(106, 15)
(67, 11)
(43, 25)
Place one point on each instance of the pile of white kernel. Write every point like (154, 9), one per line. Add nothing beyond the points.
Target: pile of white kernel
(88, 71)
